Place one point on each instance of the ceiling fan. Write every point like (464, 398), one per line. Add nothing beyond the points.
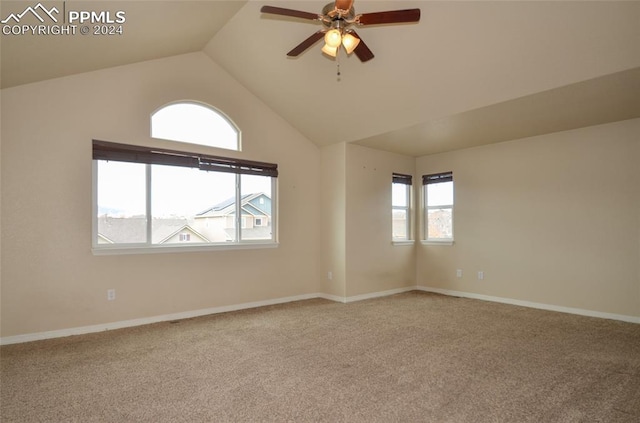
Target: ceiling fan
(338, 19)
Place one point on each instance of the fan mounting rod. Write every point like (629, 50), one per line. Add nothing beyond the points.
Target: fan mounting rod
(330, 13)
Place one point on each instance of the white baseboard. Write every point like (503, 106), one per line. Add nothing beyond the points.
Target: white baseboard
(379, 294)
(148, 320)
(335, 298)
(223, 309)
(541, 306)
(361, 297)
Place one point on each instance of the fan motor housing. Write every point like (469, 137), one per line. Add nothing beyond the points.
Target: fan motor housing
(328, 11)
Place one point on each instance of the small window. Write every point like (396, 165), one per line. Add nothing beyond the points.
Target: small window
(185, 237)
(400, 207)
(438, 198)
(195, 123)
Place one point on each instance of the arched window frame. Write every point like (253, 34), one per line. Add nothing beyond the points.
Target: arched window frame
(186, 139)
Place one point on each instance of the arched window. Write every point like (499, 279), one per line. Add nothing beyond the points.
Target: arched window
(153, 199)
(195, 123)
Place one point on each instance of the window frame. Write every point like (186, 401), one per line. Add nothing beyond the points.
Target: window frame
(149, 156)
(407, 181)
(427, 180)
(231, 124)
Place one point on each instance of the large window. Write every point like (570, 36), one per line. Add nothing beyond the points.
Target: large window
(401, 207)
(438, 199)
(148, 198)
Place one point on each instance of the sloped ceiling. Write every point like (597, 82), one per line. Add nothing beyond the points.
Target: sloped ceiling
(151, 30)
(469, 73)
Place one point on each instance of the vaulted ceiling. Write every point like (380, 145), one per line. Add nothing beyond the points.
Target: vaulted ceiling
(469, 73)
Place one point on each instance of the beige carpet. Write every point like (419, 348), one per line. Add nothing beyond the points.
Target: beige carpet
(413, 357)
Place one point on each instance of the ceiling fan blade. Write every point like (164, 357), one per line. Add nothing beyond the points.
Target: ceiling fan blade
(392, 16)
(307, 43)
(362, 51)
(289, 12)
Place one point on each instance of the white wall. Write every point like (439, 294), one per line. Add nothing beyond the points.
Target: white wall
(50, 279)
(374, 264)
(553, 219)
(334, 203)
(357, 247)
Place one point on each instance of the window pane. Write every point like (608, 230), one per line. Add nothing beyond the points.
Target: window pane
(440, 194)
(194, 123)
(440, 223)
(399, 195)
(121, 203)
(256, 207)
(399, 224)
(191, 206)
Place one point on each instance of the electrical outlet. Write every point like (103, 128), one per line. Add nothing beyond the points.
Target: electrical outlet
(330, 275)
(459, 273)
(480, 275)
(111, 294)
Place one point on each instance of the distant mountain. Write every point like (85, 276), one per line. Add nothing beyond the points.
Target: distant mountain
(112, 212)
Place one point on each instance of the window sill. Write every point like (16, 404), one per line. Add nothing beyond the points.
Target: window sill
(403, 242)
(437, 242)
(106, 251)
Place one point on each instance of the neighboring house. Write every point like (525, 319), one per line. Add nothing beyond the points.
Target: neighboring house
(216, 224)
(174, 231)
(121, 230)
(255, 215)
(128, 230)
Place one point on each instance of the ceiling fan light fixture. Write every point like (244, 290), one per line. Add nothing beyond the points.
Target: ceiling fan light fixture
(350, 42)
(333, 38)
(331, 51)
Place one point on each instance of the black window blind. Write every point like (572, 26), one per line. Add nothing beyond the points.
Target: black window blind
(105, 150)
(435, 178)
(399, 178)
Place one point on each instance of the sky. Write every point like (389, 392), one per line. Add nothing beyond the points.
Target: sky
(440, 194)
(177, 191)
(196, 124)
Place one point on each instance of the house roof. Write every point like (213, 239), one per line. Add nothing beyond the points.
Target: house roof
(453, 80)
(228, 206)
(164, 229)
(134, 229)
(122, 230)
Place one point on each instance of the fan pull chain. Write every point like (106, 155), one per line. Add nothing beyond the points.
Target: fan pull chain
(338, 66)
